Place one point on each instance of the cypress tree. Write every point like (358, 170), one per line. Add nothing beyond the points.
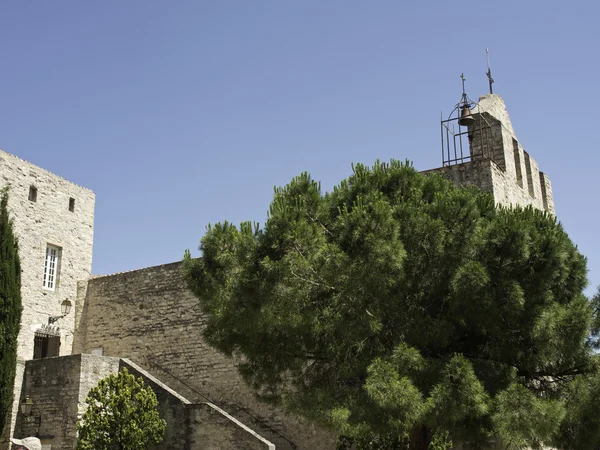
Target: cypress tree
(10, 308)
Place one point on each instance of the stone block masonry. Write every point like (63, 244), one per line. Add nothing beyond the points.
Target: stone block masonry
(197, 426)
(49, 212)
(59, 387)
(47, 220)
(150, 317)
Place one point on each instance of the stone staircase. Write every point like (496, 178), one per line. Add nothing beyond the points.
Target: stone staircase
(270, 427)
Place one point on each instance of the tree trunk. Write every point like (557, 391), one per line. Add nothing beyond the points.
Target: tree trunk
(420, 438)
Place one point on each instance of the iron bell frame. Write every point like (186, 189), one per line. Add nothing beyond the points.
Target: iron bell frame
(458, 131)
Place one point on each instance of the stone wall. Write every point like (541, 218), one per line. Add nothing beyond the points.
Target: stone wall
(58, 388)
(478, 173)
(214, 429)
(516, 175)
(200, 426)
(47, 220)
(150, 317)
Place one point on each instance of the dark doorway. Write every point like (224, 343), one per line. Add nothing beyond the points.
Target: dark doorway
(45, 345)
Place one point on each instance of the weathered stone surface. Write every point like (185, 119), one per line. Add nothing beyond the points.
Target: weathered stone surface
(150, 317)
(511, 175)
(48, 220)
(59, 386)
(213, 429)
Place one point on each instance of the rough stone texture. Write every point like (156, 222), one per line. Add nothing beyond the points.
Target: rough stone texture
(215, 430)
(506, 170)
(478, 173)
(59, 387)
(150, 317)
(36, 224)
(196, 426)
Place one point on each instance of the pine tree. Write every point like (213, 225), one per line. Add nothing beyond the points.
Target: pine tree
(406, 311)
(10, 308)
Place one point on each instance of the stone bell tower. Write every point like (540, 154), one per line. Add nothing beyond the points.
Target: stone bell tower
(480, 147)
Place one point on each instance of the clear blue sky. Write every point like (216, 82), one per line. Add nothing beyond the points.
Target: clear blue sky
(182, 113)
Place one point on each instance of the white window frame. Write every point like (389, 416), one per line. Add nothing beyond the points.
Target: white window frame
(51, 267)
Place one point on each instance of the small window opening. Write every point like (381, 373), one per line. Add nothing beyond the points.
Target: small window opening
(529, 175)
(544, 192)
(71, 204)
(518, 163)
(32, 194)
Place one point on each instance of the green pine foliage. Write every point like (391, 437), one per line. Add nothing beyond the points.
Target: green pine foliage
(121, 414)
(406, 312)
(10, 308)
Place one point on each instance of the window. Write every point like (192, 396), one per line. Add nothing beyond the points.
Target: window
(51, 267)
(32, 194)
(518, 163)
(529, 174)
(71, 204)
(544, 191)
(45, 344)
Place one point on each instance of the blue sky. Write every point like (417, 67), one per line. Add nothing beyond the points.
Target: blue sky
(183, 113)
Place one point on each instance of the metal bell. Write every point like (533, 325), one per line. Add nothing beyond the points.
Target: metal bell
(466, 118)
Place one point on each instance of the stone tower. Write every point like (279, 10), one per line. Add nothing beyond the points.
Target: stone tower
(54, 222)
(485, 151)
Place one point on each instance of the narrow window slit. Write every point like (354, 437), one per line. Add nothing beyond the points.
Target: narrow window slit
(518, 163)
(32, 194)
(529, 175)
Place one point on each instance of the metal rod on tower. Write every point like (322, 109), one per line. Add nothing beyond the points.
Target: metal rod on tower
(442, 133)
(489, 71)
(464, 94)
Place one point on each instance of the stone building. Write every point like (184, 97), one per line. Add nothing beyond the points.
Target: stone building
(54, 222)
(147, 321)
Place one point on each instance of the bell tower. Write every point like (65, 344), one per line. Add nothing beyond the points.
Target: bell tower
(480, 147)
